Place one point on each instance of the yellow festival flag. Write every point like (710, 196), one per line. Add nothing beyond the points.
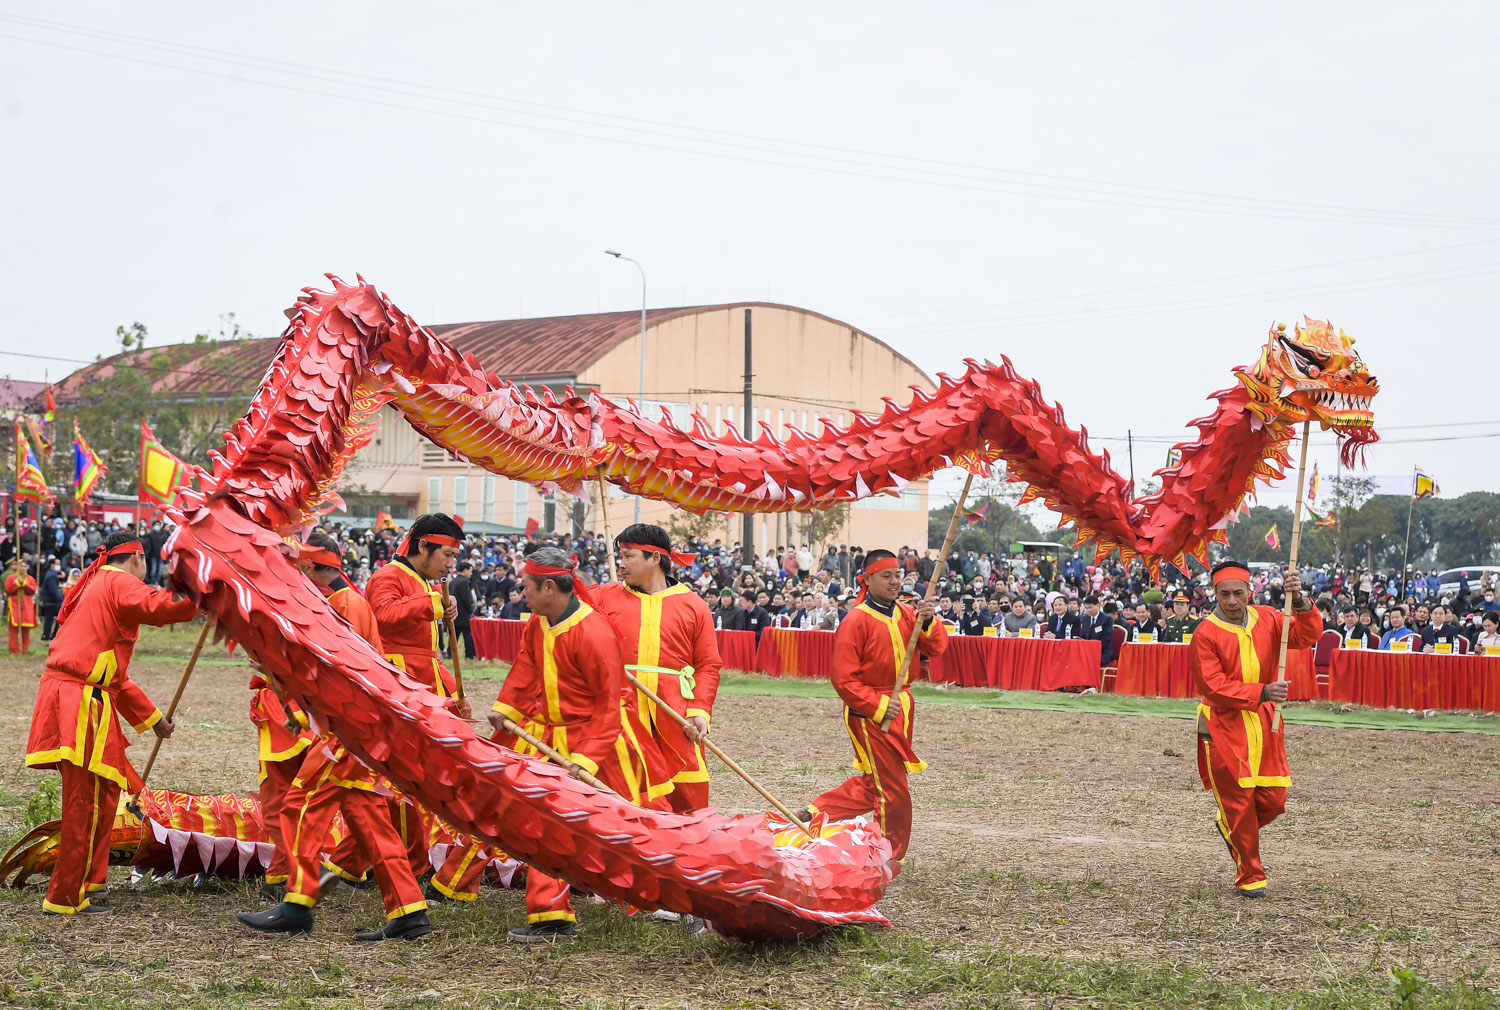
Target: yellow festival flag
(162, 473)
(1424, 485)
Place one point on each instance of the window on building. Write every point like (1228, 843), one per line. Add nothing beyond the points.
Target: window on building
(434, 494)
(522, 492)
(488, 515)
(908, 501)
(461, 496)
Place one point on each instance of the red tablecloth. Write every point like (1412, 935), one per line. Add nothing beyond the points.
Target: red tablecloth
(1415, 680)
(736, 649)
(496, 639)
(1017, 664)
(1161, 670)
(792, 652)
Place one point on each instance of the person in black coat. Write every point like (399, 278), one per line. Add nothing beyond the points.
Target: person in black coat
(1060, 623)
(50, 597)
(1094, 623)
(750, 616)
(463, 599)
(1442, 629)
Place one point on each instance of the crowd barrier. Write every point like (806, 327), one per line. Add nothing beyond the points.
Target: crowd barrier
(1377, 679)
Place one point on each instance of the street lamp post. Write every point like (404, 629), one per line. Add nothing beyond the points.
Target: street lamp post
(641, 375)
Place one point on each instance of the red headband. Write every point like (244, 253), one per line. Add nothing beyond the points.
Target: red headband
(310, 555)
(101, 557)
(582, 591)
(441, 539)
(1232, 572)
(680, 558)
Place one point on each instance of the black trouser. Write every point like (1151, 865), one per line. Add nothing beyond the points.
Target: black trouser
(49, 620)
(462, 624)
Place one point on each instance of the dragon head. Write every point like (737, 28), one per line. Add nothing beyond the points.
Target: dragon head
(1314, 375)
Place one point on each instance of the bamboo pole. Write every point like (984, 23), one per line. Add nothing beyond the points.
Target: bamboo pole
(1286, 612)
(454, 645)
(555, 757)
(176, 697)
(713, 749)
(609, 547)
(937, 572)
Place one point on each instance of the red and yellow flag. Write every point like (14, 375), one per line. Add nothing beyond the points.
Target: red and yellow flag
(31, 485)
(1273, 539)
(162, 473)
(87, 468)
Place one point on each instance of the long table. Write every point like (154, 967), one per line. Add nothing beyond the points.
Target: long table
(1379, 679)
(1415, 680)
(1017, 664)
(1161, 670)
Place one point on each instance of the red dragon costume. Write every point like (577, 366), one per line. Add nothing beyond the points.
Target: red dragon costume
(349, 351)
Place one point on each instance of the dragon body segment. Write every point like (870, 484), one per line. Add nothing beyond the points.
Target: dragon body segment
(349, 351)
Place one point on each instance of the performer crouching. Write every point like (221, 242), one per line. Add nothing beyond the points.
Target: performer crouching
(879, 713)
(569, 673)
(74, 727)
(330, 780)
(1241, 756)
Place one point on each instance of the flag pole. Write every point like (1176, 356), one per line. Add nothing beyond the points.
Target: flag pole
(1286, 612)
(1406, 551)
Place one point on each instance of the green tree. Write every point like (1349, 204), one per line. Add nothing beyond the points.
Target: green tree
(141, 383)
(823, 526)
(683, 526)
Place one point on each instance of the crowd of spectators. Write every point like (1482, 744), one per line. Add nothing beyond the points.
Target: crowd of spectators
(979, 593)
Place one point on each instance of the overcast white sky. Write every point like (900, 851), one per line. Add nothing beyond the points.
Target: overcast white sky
(1121, 197)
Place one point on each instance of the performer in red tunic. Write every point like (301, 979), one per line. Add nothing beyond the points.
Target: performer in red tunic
(283, 738)
(667, 639)
(569, 673)
(331, 780)
(408, 610)
(1241, 757)
(879, 713)
(74, 727)
(20, 605)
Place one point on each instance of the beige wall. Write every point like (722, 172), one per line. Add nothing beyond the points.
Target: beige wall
(805, 366)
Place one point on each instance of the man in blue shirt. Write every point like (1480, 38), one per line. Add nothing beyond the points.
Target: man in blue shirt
(1399, 631)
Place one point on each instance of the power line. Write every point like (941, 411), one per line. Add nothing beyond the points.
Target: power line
(1054, 187)
(114, 362)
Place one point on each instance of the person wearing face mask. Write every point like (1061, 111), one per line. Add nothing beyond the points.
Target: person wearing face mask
(1489, 604)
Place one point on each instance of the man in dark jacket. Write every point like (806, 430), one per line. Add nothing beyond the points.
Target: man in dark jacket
(463, 595)
(750, 616)
(1061, 623)
(1097, 625)
(50, 597)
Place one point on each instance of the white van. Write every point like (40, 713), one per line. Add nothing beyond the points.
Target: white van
(1474, 573)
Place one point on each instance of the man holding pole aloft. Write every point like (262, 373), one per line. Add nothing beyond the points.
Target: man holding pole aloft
(870, 675)
(667, 639)
(74, 727)
(1241, 748)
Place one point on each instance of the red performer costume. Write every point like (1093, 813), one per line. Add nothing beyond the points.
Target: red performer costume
(1241, 758)
(408, 611)
(74, 725)
(667, 641)
(330, 780)
(20, 609)
(570, 674)
(281, 753)
(867, 652)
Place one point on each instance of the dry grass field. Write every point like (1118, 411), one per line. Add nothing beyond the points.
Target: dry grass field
(1061, 858)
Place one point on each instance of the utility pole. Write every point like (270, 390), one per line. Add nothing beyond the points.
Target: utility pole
(1130, 451)
(747, 534)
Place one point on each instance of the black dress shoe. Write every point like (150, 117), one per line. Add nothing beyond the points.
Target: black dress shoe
(92, 909)
(403, 927)
(543, 932)
(280, 919)
(1259, 892)
(433, 895)
(273, 894)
